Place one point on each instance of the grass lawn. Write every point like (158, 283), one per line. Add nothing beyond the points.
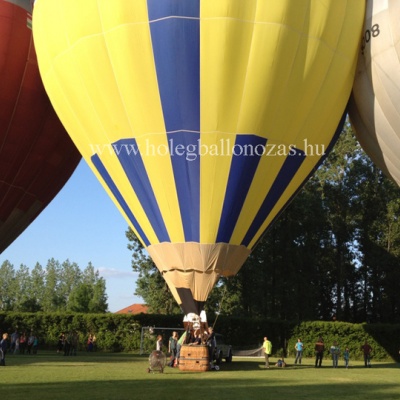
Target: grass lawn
(124, 376)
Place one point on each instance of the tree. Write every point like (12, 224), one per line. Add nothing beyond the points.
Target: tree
(51, 298)
(22, 283)
(98, 302)
(59, 287)
(7, 286)
(70, 277)
(37, 288)
(338, 184)
(97, 285)
(378, 242)
(79, 298)
(88, 294)
(150, 285)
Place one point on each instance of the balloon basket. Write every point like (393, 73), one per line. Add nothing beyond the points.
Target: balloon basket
(194, 358)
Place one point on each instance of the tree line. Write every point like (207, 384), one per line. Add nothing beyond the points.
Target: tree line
(58, 287)
(333, 254)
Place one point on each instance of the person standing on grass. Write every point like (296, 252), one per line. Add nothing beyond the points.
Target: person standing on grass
(74, 343)
(159, 343)
(67, 344)
(299, 347)
(22, 343)
(31, 339)
(367, 349)
(172, 347)
(3, 349)
(89, 344)
(35, 345)
(60, 343)
(319, 352)
(14, 337)
(346, 356)
(211, 343)
(267, 346)
(94, 342)
(335, 351)
(16, 349)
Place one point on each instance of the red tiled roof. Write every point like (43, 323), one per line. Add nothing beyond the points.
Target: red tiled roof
(134, 309)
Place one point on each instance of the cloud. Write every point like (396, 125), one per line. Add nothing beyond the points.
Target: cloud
(108, 273)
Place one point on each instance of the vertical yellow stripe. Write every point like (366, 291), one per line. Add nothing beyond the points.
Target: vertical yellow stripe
(214, 172)
(222, 75)
(139, 89)
(226, 31)
(157, 161)
(126, 104)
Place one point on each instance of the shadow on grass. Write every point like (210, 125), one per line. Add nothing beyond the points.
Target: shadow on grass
(250, 366)
(108, 358)
(234, 389)
(235, 381)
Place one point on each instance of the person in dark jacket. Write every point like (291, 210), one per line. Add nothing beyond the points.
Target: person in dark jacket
(319, 352)
(211, 343)
(173, 347)
(3, 349)
(366, 349)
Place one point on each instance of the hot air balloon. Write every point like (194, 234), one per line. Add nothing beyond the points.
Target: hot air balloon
(201, 118)
(375, 104)
(37, 156)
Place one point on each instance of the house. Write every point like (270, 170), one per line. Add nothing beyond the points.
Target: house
(134, 309)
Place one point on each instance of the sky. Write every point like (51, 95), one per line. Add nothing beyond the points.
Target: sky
(82, 225)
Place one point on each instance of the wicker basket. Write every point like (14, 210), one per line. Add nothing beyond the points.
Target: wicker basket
(194, 358)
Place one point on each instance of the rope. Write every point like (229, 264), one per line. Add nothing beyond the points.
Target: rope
(219, 308)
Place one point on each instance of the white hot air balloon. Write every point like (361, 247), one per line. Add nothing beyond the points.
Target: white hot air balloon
(375, 104)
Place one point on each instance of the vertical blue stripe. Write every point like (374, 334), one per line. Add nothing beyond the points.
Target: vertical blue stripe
(175, 33)
(247, 153)
(285, 175)
(114, 190)
(185, 159)
(177, 8)
(131, 161)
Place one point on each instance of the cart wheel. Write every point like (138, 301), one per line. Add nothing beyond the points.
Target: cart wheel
(216, 368)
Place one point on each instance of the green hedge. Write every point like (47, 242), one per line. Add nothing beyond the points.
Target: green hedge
(113, 332)
(382, 338)
(122, 332)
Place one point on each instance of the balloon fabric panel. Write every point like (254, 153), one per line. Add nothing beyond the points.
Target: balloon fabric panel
(178, 72)
(187, 179)
(374, 108)
(240, 177)
(138, 178)
(116, 193)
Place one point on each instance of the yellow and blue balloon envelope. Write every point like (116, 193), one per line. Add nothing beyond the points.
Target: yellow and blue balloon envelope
(201, 118)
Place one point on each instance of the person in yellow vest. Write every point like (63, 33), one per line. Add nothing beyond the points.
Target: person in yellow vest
(267, 346)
